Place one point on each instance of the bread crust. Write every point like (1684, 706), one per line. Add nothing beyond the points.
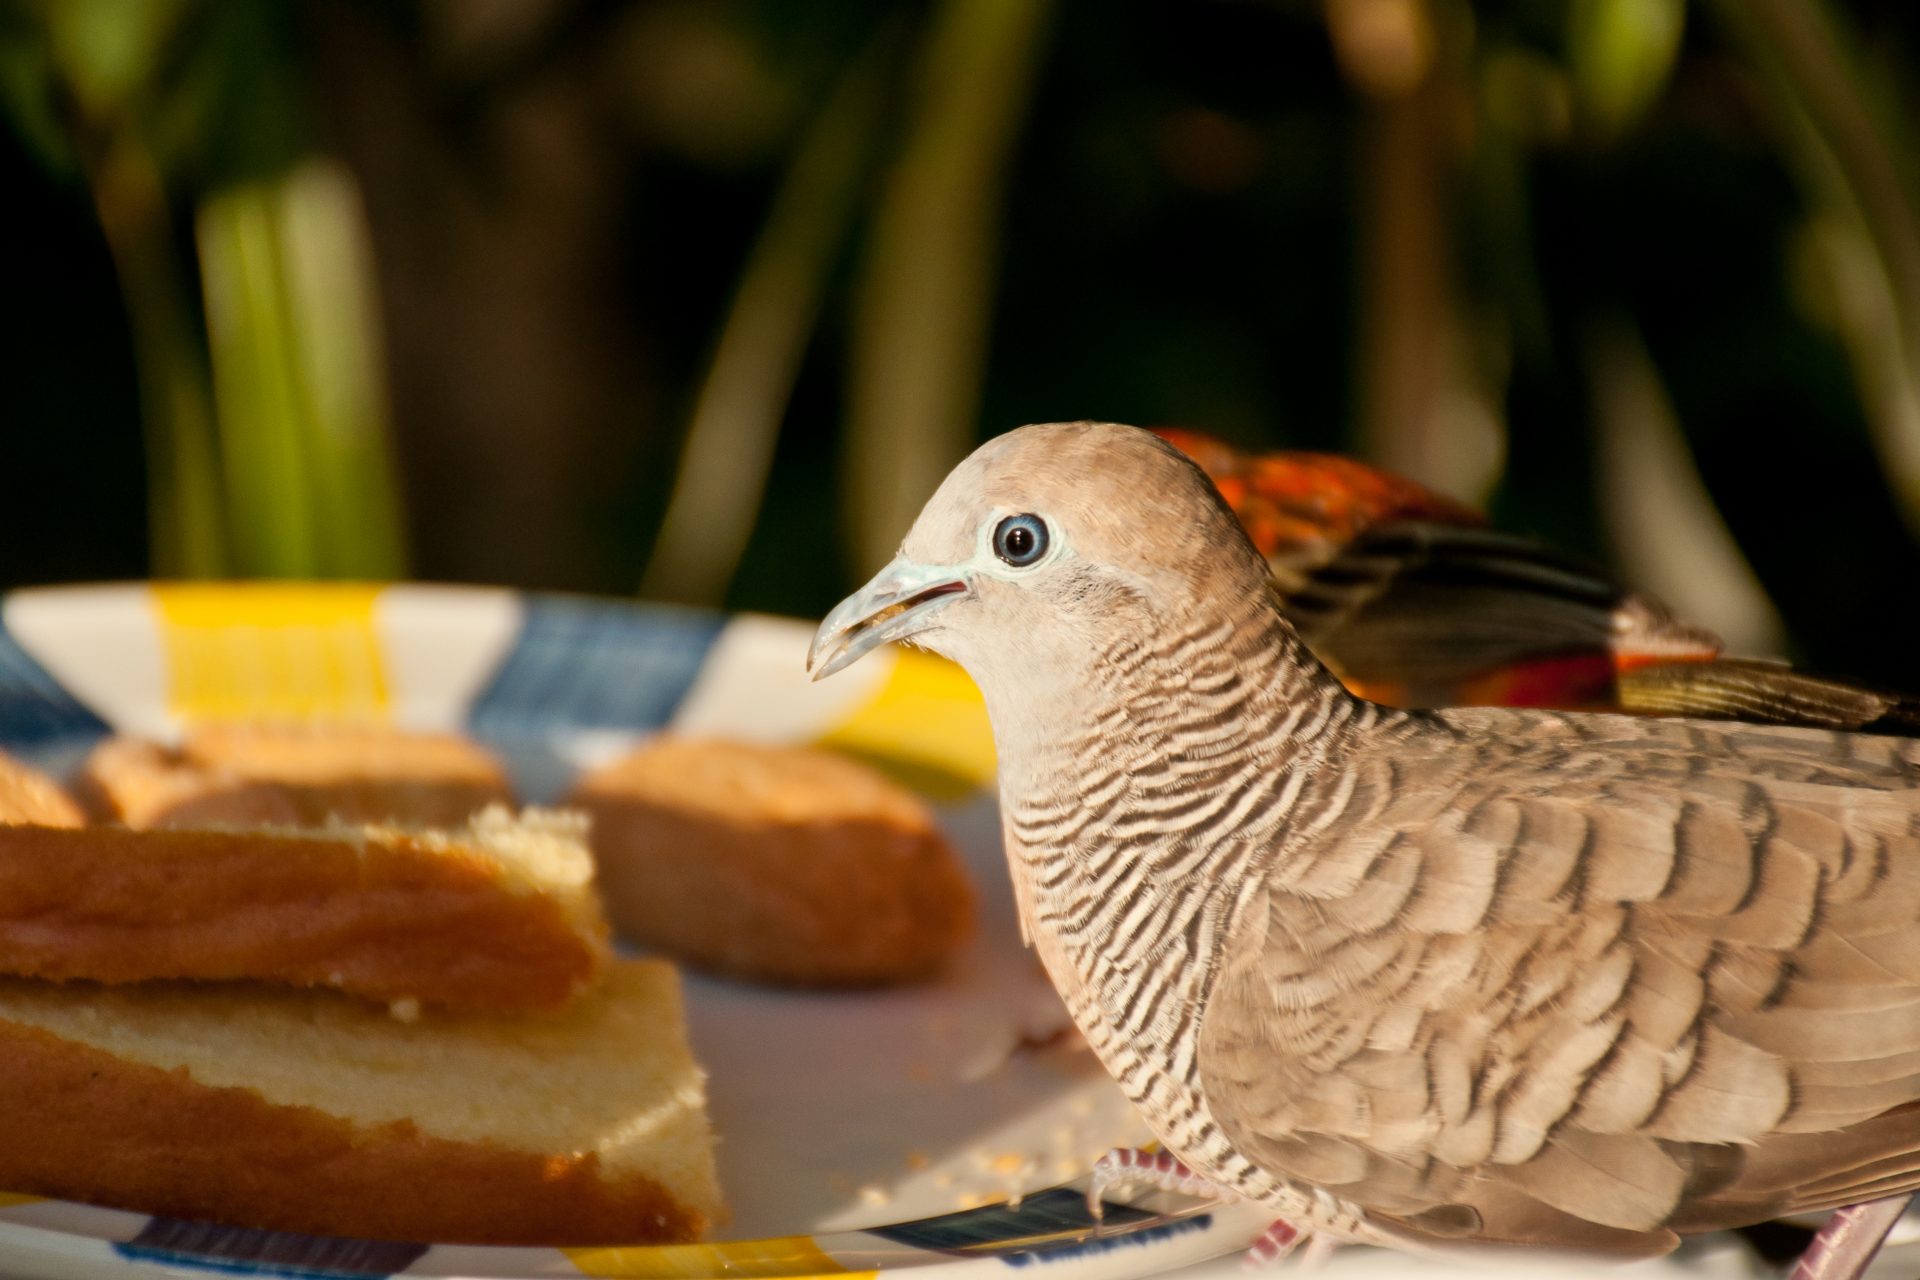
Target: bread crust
(83, 1124)
(780, 865)
(247, 775)
(381, 914)
(28, 795)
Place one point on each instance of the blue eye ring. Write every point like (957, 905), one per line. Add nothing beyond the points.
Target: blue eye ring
(1021, 540)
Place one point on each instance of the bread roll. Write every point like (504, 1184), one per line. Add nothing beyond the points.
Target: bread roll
(781, 865)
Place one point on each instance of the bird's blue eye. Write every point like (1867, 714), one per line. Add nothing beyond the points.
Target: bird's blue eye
(1020, 540)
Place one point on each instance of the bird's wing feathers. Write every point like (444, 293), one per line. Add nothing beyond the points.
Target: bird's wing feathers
(1586, 981)
(1424, 614)
(1764, 693)
(1427, 609)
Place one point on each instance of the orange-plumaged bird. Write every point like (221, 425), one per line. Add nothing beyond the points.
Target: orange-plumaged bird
(1413, 599)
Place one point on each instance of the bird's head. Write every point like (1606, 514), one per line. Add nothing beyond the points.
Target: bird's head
(1042, 545)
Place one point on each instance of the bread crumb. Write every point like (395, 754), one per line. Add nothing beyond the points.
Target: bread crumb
(405, 1009)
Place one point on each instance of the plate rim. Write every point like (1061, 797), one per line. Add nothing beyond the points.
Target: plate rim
(1186, 1230)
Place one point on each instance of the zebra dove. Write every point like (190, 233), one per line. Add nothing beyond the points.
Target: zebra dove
(1411, 978)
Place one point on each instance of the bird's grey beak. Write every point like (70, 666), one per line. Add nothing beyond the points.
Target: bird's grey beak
(895, 604)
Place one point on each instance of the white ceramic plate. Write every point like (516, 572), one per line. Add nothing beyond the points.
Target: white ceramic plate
(926, 1130)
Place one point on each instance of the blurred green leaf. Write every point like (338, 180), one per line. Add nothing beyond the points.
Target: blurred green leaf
(157, 99)
(737, 414)
(110, 51)
(1525, 96)
(255, 381)
(1622, 54)
(27, 88)
(920, 324)
(237, 109)
(214, 90)
(290, 324)
(186, 515)
(1849, 139)
(1667, 532)
(1841, 284)
(337, 345)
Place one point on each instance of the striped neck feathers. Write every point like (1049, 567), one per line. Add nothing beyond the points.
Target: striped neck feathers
(1211, 702)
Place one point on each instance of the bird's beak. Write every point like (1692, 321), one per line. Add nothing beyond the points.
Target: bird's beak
(895, 604)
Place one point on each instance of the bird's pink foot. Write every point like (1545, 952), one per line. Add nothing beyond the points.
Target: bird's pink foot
(1846, 1245)
(1273, 1246)
(1131, 1167)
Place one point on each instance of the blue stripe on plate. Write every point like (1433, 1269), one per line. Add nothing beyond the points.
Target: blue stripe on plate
(35, 711)
(586, 664)
(1082, 1249)
(1057, 1211)
(242, 1251)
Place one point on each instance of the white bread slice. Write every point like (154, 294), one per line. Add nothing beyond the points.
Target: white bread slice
(282, 776)
(306, 1111)
(499, 915)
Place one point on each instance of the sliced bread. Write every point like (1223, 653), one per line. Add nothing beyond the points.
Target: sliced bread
(28, 795)
(260, 775)
(779, 864)
(500, 914)
(306, 1111)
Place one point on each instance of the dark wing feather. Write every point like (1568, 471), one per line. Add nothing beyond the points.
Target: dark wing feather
(1429, 609)
(1427, 615)
(1414, 601)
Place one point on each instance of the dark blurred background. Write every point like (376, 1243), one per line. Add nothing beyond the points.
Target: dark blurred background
(698, 299)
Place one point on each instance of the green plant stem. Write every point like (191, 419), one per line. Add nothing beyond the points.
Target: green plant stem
(924, 299)
(1852, 152)
(1800, 42)
(187, 529)
(736, 417)
(294, 343)
(257, 385)
(327, 269)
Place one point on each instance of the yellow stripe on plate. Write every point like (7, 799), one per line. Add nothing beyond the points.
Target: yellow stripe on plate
(789, 1256)
(925, 725)
(8, 1199)
(268, 651)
